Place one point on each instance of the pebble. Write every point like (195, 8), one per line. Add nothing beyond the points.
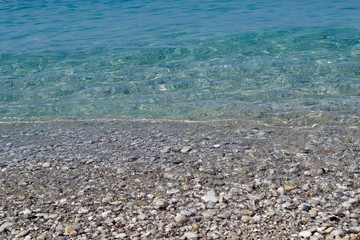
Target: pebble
(186, 149)
(180, 218)
(191, 236)
(338, 232)
(46, 165)
(23, 233)
(355, 229)
(280, 191)
(60, 238)
(246, 219)
(165, 150)
(270, 213)
(69, 229)
(5, 226)
(83, 210)
(27, 211)
(289, 187)
(159, 203)
(210, 196)
(121, 235)
(305, 234)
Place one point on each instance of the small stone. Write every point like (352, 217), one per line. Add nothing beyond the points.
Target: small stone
(5, 226)
(60, 238)
(320, 171)
(246, 219)
(83, 210)
(280, 191)
(165, 150)
(43, 236)
(307, 208)
(270, 213)
(180, 218)
(186, 149)
(210, 197)
(305, 234)
(159, 203)
(69, 229)
(338, 232)
(257, 218)
(289, 187)
(185, 187)
(22, 233)
(106, 214)
(354, 229)
(121, 235)
(191, 236)
(313, 212)
(46, 165)
(73, 233)
(107, 199)
(208, 214)
(27, 212)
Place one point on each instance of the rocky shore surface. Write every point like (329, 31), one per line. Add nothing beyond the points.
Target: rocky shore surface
(176, 180)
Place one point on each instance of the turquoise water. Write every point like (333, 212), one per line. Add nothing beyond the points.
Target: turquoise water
(265, 60)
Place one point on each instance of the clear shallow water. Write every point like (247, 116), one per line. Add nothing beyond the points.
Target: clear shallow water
(180, 60)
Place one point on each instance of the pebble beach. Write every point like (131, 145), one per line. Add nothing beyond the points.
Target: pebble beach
(178, 180)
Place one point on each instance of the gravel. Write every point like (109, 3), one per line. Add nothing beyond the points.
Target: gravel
(177, 180)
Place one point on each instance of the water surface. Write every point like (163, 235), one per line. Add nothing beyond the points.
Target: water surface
(279, 61)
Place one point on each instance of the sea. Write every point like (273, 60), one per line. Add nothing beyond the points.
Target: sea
(273, 61)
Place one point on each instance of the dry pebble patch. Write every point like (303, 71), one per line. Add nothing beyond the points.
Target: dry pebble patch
(136, 180)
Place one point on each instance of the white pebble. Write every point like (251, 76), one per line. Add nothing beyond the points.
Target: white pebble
(210, 197)
(280, 191)
(83, 210)
(191, 236)
(46, 165)
(305, 234)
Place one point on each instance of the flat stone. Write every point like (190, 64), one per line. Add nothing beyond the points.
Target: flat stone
(210, 197)
(165, 150)
(186, 149)
(338, 232)
(354, 229)
(305, 234)
(289, 187)
(5, 226)
(23, 233)
(159, 203)
(60, 238)
(246, 219)
(209, 214)
(121, 235)
(83, 210)
(270, 213)
(69, 229)
(191, 236)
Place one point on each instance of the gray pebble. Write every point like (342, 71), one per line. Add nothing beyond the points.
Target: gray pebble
(355, 229)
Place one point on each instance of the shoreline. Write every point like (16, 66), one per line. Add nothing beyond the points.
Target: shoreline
(178, 180)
